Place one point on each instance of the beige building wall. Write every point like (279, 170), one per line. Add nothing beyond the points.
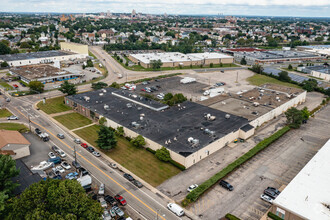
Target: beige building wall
(282, 212)
(20, 150)
(74, 47)
(324, 76)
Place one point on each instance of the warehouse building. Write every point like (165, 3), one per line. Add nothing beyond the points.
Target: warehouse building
(190, 131)
(42, 72)
(40, 57)
(323, 50)
(307, 197)
(321, 71)
(276, 56)
(74, 47)
(175, 59)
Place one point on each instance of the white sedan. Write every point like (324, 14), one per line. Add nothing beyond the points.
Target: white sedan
(266, 198)
(96, 154)
(192, 187)
(61, 153)
(60, 169)
(51, 155)
(65, 165)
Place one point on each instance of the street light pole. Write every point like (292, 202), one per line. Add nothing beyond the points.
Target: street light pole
(29, 121)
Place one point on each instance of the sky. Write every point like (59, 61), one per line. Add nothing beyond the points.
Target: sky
(299, 8)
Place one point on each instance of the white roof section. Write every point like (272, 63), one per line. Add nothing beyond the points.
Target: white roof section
(209, 55)
(164, 57)
(307, 193)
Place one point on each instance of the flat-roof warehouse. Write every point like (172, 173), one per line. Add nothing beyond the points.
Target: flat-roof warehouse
(190, 131)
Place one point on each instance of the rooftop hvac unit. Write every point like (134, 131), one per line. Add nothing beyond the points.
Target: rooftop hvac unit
(227, 116)
(210, 117)
(106, 107)
(256, 104)
(129, 105)
(135, 125)
(103, 90)
(209, 132)
(101, 94)
(86, 98)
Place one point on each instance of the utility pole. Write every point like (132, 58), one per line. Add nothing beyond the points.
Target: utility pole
(75, 155)
(237, 77)
(29, 121)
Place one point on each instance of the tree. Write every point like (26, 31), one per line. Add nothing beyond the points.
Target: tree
(309, 85)
(305, 113)
(327, 92)
(211, 65)
(4, 64)
(156, 64)
(294, 117)
(99, 85)
(139, 141)
(102, 120)
(290, 67)
(68, 88)
(106, 138)
(163, 154)
(284, 76)
(243, 61)
(89, 63)
(115, 85)
(257, 68)
(36, 86)
(120, 131)
(4, 49)
(168, 96)
(55, 199)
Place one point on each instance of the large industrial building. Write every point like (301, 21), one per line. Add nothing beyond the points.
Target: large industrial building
(190, 131)
(307, 197)
(69, 51)
(323, 50)
(276, 56)
(320, 71)
(44, 73)
(175, 59)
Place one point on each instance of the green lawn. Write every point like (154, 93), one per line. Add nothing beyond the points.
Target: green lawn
(54, 105)
(73, 120)
(258, 80)
(4, 113)
(13, 127)
(138, 160)
(6, 86)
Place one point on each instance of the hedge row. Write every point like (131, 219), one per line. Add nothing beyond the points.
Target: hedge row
(231, 217)
(194, 195)
(273, 216)
(174, 163)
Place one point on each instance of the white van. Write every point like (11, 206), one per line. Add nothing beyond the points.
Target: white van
(176, 209)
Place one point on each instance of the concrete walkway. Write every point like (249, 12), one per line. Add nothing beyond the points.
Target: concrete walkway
(83, 127)
(61, 113)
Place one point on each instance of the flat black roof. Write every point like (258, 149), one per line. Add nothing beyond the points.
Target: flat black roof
(177, 123)
(34, 55)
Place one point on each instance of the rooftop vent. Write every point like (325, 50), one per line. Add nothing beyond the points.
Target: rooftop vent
(227, 116)
(106, 107)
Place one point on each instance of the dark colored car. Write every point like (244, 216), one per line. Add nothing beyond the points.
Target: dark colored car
(60, 136)
(55, 148)
(274, 189)
(270, 193)
(110, 200)
(120, 199)
(55, 160)
(57, 177)
(226, 185)
(128, 176)
(90, 149)
(83, 171)
(93, 196)
(137, 183)
(76, 164)
(37, 130)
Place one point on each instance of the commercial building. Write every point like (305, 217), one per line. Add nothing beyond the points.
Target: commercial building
(52, 56)
(321, 71)
(323, 50)
(175, 59)
(14, 144)
(42, 72)
(74, 47)
(308, 195)
(276, 56)
(190, 131)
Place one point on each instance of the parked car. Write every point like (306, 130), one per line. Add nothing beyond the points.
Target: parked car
(113, 165)
(270, 193)
(65, 165)
(83, 171)
(266, 198)
(71, 176)
(192, 187)
(226, 185)
(13, 117)
(112, 213)
(110, 200)
(90, 149)
(128, 176)
(84, 145)
(96, 154)
(57, 177)
(145, 83)
(37, 130)
(60, 169)
(103, 202)
(118, 211)
(176, 209)
(51, 155)
(55, 160)
(143, 90)
(15, 85)
(106, 215)
(277, 192)
(60, 136)
(76, 164)
(101, 189)
(120, 199)
(55, 148)
(61, 153)
(77, 141)
(137, 183)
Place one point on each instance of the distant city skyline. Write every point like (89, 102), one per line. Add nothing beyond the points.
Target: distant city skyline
(298, 8)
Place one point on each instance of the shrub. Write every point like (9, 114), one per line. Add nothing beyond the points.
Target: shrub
(178, 165)
(150, 150)
(102, 120)
(120, 131)
(163, 154)
(273, 216)
(211, 65)
(231, 217)
(139, 141)
(194, 195)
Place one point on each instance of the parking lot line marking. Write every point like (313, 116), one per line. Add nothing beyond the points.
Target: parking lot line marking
(95, 167)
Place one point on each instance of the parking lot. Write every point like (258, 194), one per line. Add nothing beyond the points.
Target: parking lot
(274, 167)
